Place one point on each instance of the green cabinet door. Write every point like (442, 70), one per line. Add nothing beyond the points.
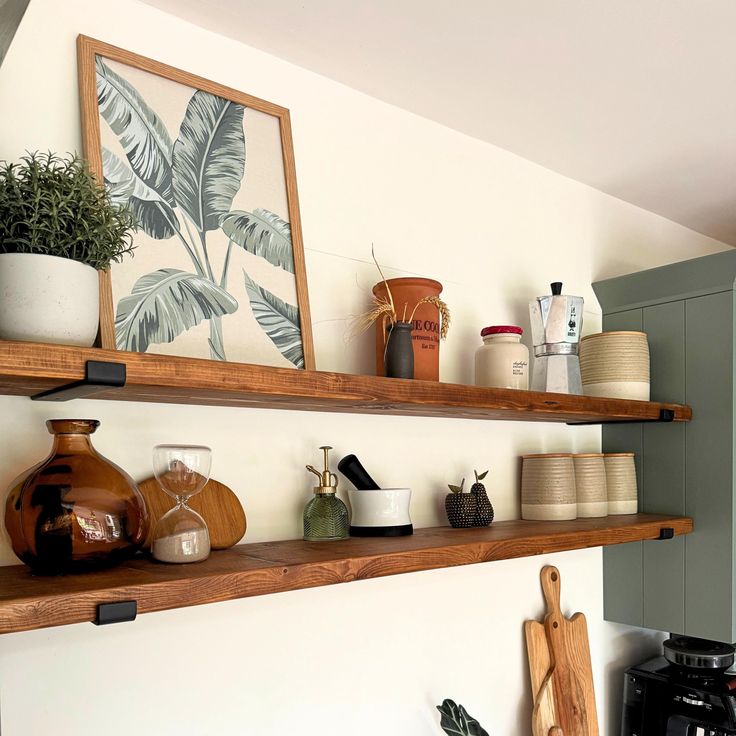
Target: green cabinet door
(644, 582)
(662, 463)
(685, 585)
(709, 574)
(623, 569)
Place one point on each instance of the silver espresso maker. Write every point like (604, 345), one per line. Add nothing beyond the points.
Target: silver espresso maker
(557, 320)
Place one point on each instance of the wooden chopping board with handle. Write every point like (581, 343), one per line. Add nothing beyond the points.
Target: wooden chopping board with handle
(569, 653)
(215, 503)
(544, 717)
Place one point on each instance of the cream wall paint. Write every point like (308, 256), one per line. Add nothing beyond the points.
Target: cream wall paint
(369, 657)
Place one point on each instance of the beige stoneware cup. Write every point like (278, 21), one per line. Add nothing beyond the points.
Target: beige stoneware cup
(548, 487)
(621, 483)
(590, 485)
(615, 365)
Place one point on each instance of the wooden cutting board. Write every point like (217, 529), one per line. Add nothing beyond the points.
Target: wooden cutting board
(569, 652)
(544, 717)
(216, 503)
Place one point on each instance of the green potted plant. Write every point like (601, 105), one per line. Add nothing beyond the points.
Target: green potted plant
(58, 228)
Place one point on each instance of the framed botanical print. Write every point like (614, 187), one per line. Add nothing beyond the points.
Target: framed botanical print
(209, 174)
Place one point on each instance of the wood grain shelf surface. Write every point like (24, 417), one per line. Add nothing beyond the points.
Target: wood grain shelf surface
(29, 602)
(28, 368)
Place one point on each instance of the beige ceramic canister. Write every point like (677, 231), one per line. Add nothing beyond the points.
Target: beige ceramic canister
(548, 487)
(502, 361)
(616, 365)
(621, 483)
(590, 485)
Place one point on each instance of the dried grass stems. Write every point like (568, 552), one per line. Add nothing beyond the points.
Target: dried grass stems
(384, 309)
(442, 308)
(380, 309)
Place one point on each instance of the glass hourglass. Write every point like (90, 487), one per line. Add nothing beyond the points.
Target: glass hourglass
(181, 534)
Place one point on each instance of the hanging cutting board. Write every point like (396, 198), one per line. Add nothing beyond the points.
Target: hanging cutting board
(544, 718)
(569, 652)
(216, 503)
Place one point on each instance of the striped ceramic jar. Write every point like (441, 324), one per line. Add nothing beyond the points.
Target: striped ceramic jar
(548, 487)
(615, 364)
(590, 484)
(621, 483)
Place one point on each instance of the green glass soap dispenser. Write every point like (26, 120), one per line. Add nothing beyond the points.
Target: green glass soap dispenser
(325, 516)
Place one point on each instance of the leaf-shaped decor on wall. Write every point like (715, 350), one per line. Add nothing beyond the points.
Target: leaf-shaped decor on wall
(165, 303)
(154, 216)
(142, 134)
(209, 159)
(279, 320)
(457, 722)
(262, 233)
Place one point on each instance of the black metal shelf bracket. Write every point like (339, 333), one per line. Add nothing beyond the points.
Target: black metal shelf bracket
(665, 417)
(666, 532)
(115, 613)
(98, 376)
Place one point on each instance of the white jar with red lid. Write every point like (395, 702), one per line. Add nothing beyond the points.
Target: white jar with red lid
(502, 361)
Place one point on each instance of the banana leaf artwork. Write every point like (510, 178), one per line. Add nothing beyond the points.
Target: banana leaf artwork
(208, 172)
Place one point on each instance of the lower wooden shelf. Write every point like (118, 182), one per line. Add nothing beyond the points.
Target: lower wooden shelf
(29, 602)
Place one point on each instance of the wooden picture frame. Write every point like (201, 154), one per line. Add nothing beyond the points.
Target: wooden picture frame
(260, 236)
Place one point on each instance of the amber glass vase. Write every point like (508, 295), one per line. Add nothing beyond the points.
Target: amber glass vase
(75, 510)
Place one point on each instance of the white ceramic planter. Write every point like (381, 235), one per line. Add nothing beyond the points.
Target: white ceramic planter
(48, 299)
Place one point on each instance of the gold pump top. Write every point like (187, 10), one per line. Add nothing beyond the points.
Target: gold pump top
(327, 480)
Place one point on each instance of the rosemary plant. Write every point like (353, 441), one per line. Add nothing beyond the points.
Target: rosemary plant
(52, 205)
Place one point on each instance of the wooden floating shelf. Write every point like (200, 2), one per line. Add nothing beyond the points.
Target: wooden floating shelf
(29, 368)
(29, 602)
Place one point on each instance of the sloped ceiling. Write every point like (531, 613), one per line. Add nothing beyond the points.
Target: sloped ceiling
(11, 14)
(636, 98)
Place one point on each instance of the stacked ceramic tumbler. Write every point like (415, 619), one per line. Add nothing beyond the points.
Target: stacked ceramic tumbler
(563, 486)
(621, 483)
(616, 365)
(591, 491)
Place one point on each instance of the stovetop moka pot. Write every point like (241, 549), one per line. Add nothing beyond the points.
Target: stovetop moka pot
(557, 321)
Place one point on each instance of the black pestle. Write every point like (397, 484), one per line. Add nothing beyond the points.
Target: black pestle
(354, 471)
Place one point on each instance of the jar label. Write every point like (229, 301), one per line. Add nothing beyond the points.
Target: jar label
(427, 333)
(573, 328)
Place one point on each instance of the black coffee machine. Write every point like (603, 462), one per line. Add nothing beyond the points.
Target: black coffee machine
(688, 692)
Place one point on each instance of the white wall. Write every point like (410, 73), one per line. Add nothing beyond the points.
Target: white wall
(369, 657)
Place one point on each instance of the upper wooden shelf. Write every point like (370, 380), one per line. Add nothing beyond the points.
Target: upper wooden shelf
(28, 602)
(28, 368)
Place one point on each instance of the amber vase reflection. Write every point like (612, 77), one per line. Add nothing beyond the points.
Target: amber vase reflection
(75, 510)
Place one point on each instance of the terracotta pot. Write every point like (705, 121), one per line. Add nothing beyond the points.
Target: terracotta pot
(426, 335)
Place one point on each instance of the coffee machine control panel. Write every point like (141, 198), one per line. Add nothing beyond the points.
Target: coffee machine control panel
(655, 705)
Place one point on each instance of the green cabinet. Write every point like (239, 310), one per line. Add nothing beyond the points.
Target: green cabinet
(685, 585)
